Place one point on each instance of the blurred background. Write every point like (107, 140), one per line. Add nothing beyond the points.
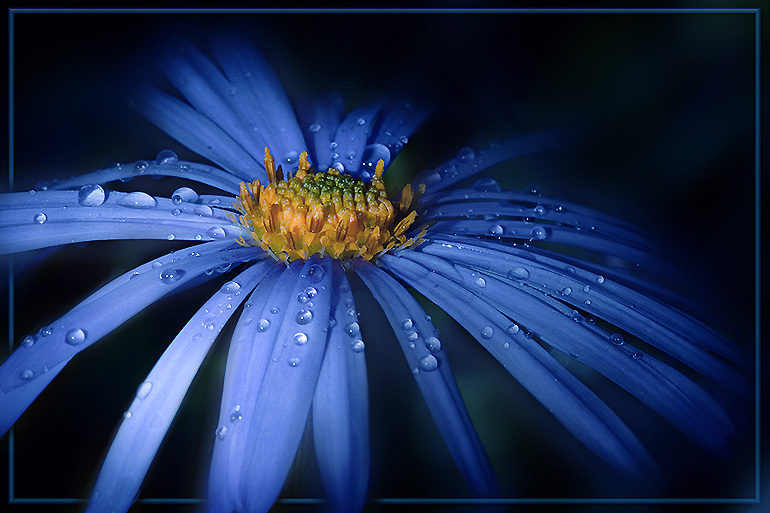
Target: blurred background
(659, 114)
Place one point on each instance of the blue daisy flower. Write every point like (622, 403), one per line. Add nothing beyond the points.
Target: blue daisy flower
(303, 211)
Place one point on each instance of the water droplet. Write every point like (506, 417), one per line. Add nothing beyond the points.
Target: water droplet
(412, 335)
(75, 337)
(216, 232)
(274, 310)
(566, 291)
(300, 339)
(221, 432)
(230, 287)
(166, 157)
(636, 356)
(433, 344)
(486, 185)
(361, 121)
(407, 324)
(303, 316)
(235, 416)
(39, 218)
(465, 155)
(209, 326)
(45, 331)
(432, 179)
(127, 415)
(487, 332)
(315, 273)
(480, 282)
(140, 200)
(203, 210)
(169, 276)
(587, 302)
(293, 362)
(27, 375)
(263, 325)
(539, 233)
(143, 390)
(600, 279)
(315, 128)
(428, 363)
(617, 339)
(357, 345)
(302, 297)
(311, 292)
(513, 329)
(91, 195)
(586, 288)
(496, 229)
(533, 189)
(184, 194)
(176, 212)
(518, 273)
(28, 341)
(352, 329)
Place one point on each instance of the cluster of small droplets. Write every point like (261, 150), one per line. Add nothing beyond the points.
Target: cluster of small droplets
(325, 213)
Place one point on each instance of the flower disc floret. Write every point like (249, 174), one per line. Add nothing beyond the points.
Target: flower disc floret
(329, 213)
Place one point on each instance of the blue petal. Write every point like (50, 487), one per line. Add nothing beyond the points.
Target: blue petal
(202, 173)
(104, 311)
(159, 396)
(662, 326)
(468, 163)
(197, 132)
(271, 406)
(399, 121)
(571, 402)
(50, 218)
(341, 407)
(262, 98)
(665, 390)
(430, 367)
(14, 402)
(351, 138)
(321, 122)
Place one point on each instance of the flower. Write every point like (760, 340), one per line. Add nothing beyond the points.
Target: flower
(494, 260)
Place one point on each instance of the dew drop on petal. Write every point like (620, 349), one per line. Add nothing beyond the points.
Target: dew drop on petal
(566, 291)
(487, 332)
(274, 310)
(407, 324)
(75, 337)
(518, 273)
(513, 329)
(617, 339)
(236, 415)
(352, 329)
(433, 344)
(357, 345)
(486, 185)
(166, 157)
(311, 292)
(300, 339)
(221, 432)
(91, 195)
(303, 316)
(315, 273)
(184, 194)
(169, 276)
(230, 287)
(45, 331)
(27, 375)
(432, 179)
(216, 232)
(374, 153)
(412, 335)
(293, 362)
(28, 341)
(496, 229)
(315, 127)
(127, 415)
(138, 200)
(143, 390)
(39, 218)
(263, 325)
(600, 279)
(539, 233)
(481, 282)
(203, 210)
(465, 155)
(533, 189)
(428, 363)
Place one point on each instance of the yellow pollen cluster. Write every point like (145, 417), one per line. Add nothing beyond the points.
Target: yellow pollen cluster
(326, 213)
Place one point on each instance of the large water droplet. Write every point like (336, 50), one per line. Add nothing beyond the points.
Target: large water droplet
(184, 194)
(412, 335)
(293, 362)
(166, 157)
(486, 185)
(216, 232)
(303, 316)
(27, 375)
(300, 339)
(375, 152)
(566, 291)
(143, 390)
(357, 345)
(539, 233)
(236, 415)
(140, 200)
(230, 287)
(480, 282)
(465, 155)
(91, 195)
(169, 276)
(28, 341)
(539, 210)
(352, 329)
(617, 339)
(428, 363)
(533, 189)
(221, 432)
(407, 324)
(39, 218)
(432, 179)
(600, 279)
(433, 344)
(315, 273)
(203, 210)
(75, 337)
(127, 414)
(263, 325)
(513, 329)
(518, 273)
(496, 229)
(302, 297)
(487, 332)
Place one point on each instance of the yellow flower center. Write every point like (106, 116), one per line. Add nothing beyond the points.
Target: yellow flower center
(326, 213)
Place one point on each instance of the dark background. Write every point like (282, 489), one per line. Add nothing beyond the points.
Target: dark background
(661, 108)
